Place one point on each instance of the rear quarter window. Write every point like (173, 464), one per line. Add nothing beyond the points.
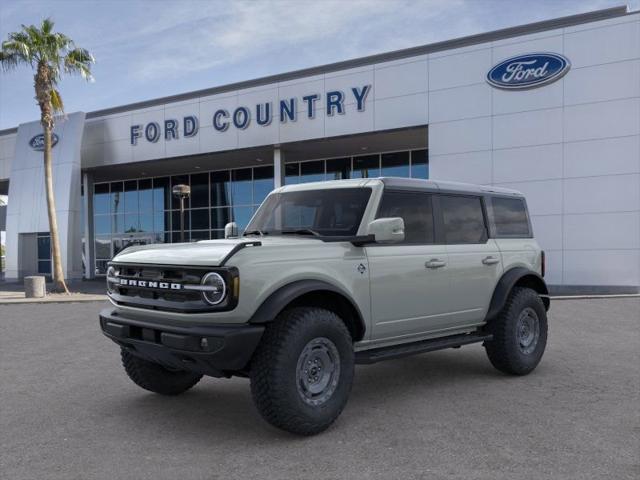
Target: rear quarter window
(509, 218)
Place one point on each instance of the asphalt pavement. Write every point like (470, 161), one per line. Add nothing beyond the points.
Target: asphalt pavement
(68, 411)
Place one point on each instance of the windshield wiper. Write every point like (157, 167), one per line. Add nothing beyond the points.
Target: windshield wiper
(255, 232)
(301, 231)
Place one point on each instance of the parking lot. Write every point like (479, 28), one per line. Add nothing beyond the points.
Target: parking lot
(68, 411)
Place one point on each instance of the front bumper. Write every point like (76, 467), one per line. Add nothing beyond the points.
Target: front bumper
(215, 350)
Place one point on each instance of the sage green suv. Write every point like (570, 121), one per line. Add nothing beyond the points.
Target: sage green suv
(326, 276)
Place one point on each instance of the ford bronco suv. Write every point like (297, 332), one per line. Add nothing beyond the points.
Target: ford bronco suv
(326, 276)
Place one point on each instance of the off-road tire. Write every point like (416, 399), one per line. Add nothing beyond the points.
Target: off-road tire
(156, 378)
(505, 350)
(275, 383)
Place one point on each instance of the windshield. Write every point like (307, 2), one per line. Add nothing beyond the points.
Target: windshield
(329, 212)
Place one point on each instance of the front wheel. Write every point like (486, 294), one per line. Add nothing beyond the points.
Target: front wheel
(302, 372)
(519, 333)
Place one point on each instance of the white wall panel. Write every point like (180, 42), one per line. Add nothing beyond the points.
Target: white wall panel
(459, 103)
(403, 79)
(602, 231)
(212, 104)
(301, 89)
(616, 193)
(549, 96)
(212, 140)
(468, 135)
(398, 112)
(549, 41)
(304, 128)
(603, 45)
(602, 82)
(554, 267)
(182, 146)
(602, 267)
(527, 128)
(119, 151)
(456, 70)
(548, 231)
(117, 127)
(471, 167)
(351, 122)
(601, 120)
(94, 132)
(7, 146)
(256, 134)
(345, 82)
(543, 198)
(608, 156)
(539, 162)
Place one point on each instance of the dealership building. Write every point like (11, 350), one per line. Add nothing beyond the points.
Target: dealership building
(551, 109)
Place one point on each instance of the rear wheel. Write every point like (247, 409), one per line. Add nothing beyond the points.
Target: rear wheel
(156, 378)
(519, 333)
(302, 372)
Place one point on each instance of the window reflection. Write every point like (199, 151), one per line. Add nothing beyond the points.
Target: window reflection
(395, 164)
(144, 210)
(420, 164)
(312, 171)
(241, 186)
(366, 167)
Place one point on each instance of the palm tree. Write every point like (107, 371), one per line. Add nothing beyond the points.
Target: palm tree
(50, 55)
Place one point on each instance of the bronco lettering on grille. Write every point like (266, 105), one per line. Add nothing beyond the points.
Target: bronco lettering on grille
(148, 284)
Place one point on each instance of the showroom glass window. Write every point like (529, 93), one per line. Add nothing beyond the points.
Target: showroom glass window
(413, 164)
(142, 211)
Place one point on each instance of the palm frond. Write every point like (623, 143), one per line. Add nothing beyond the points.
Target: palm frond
(56, 101)
(79, 61)
(47, 26)
(9, 61)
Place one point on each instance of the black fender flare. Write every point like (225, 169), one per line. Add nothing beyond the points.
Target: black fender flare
(282, 297)
(509, 280)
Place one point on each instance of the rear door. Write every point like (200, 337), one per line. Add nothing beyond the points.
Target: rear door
(409, 280)
(475, 263)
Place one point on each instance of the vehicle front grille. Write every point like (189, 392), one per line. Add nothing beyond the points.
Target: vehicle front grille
(157, 296)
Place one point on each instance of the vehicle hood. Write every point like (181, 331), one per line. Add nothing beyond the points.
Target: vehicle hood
(203, 253)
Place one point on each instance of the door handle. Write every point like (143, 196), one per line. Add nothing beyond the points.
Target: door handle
(490, 260)
(435, 263)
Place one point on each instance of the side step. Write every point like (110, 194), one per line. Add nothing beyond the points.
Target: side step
(396, 351)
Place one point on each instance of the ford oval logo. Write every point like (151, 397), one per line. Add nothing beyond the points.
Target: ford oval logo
(37, 142)
(528, 71)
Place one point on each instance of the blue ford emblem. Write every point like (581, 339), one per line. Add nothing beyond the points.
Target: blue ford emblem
(37, 142)
(528, 71)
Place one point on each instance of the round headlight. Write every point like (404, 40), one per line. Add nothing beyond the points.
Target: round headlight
(216, 288)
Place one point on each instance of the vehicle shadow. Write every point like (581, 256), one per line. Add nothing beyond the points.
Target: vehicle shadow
(220, 410)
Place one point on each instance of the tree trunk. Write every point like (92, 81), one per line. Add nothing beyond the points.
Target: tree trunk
(59, 284)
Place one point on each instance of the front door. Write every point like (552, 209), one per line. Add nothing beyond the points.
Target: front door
(409, 280)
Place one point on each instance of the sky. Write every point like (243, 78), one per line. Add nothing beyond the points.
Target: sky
(150, 49)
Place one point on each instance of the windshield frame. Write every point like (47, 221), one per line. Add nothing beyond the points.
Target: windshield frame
(264, 215)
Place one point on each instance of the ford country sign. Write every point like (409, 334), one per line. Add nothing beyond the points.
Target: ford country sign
(528, 71)
(37, 142)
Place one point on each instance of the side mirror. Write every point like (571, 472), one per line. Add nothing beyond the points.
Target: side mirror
(387, 230)
(231, 230)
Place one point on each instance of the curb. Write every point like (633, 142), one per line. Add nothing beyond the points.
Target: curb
(84, 299)
(587, 297)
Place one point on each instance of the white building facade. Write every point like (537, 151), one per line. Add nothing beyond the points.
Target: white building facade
(551, 109)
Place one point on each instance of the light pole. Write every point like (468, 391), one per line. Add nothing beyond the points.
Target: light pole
(182, 192)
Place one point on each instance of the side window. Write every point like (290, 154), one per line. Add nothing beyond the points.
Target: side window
(416, 211)
(509, 217)
(463, 219)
